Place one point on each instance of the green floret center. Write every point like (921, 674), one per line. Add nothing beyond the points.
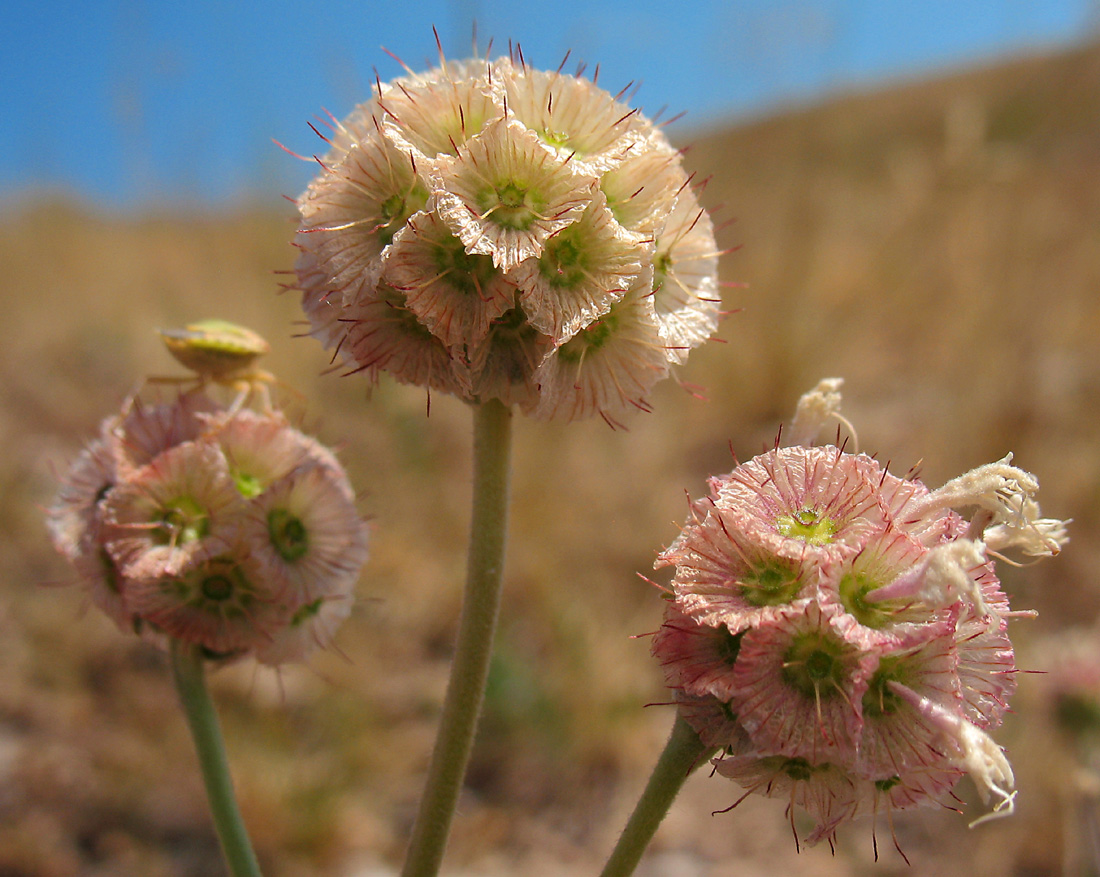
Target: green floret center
(880, 700)
(563, 263)
(249, 486)
(798, 769)
(221, 583)
(814, 665)
(217, 587)
(662, 265)
(307, 612)
(770, 584)
(181, 521)
(511, 204)
(729, 646)
(289, 535)
(590, 338)
(555, 138)
(466, 273)
(854, 589)
(396, 209)
(809, 525)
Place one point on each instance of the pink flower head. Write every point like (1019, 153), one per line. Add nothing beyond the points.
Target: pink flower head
(484, 228)
(224, 528)
(840, 633)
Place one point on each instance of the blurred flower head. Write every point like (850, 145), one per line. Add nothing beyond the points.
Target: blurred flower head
(494, 231)
(224, 528)
(840, 634)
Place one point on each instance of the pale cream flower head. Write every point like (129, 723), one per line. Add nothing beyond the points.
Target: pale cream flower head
(494, 231)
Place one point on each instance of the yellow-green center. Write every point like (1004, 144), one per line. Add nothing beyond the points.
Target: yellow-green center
(813, 665)
(288, 534)
(809, 525)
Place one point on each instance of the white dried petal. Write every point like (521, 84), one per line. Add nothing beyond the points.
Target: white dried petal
(815, 409)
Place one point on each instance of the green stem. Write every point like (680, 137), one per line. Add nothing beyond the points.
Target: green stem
(682, 754)
(474, 647)
(190, 677)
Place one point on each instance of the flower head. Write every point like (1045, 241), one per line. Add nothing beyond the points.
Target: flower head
(224, 528)
(494, 231)
(839, 633)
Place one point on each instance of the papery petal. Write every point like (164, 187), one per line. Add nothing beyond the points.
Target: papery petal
(607, 368)
(503, 194)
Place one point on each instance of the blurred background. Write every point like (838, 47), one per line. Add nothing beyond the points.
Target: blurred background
(913, 195)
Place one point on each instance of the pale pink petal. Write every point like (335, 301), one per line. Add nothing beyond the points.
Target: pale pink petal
(799, 684)
(383, 334)
(895, 739)
(350, 213)
(455, 294)
(583, 270)
(181, 505)
(641, 191)
(572, 116)
(505, 365)
(608, 368)
(827, 792)
(820, 497)
(439, 114)
(221, 601)
(504, 195)
(724, 577)
(313, 626)
(697, 659)
(306, 533)
(685, 277)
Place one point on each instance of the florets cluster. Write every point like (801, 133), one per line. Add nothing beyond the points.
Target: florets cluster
(840, 634)
(226, 529)
(494, 231)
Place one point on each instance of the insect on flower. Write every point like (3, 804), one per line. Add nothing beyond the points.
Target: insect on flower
(220, 352)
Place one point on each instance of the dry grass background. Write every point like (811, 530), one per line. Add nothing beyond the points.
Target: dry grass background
(938, 245)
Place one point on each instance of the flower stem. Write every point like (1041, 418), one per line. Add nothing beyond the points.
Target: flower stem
(190, 678)
(473, 649)
(682, 754)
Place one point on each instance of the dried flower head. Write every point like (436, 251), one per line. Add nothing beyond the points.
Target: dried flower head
(225, 528)
(839, 633)
(494, 231)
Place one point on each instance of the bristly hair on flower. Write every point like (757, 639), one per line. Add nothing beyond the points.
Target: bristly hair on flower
(490, 230)
(839, 633)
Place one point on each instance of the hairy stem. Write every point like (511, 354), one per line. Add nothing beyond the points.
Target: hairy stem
(682, 754)
(190, 678)
(473, 650)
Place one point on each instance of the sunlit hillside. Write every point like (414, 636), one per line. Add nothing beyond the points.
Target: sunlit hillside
(936, 244)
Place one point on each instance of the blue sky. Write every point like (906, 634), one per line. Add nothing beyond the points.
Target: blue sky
(130, 103)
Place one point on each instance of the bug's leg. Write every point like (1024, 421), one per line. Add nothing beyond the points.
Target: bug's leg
(244, 390)
(262, 391)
